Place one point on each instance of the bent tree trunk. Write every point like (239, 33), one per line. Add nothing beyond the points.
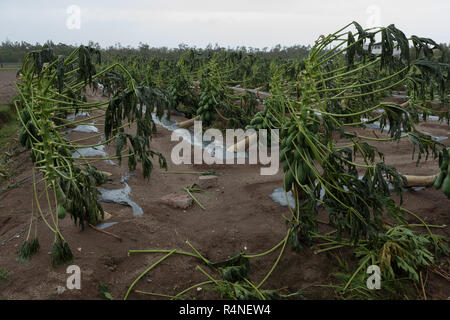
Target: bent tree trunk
(420, 181)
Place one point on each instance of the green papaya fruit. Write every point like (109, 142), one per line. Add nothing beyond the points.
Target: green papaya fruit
(439, 179)
(285, 166)
(60, 196)
(61, 211)
(283, 153)
(258, 119)
(292, 129)
(288, 180)
(446, 186)
(290, 139)
(300, 140)
(290, 157)
(301, 172)
(23, 137)
(25, 115)
(444, 165)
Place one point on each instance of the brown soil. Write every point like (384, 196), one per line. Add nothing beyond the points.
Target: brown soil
(7, 88)
(239, 216)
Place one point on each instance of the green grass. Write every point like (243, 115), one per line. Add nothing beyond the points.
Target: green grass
(7, 110)
(8, 123)
(7, 67)
(8, 130)
(4, 275)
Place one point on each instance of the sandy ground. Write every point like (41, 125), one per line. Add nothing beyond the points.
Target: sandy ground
(239, 216)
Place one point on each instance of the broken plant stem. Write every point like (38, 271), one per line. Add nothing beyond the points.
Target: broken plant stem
(191, 189)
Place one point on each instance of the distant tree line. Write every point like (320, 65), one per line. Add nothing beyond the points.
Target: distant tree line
(15, 52)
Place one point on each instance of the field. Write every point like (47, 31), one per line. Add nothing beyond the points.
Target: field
(240, 216)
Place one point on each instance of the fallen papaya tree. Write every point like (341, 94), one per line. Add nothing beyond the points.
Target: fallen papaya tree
(340, 83)
(53, 87)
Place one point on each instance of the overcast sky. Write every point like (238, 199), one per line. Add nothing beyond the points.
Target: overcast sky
(251, 23)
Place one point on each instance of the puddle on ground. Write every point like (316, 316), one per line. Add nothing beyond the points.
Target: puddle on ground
(429, 117)
(98, 151)
(120, 196)
(258, 92)
(438, 139)
(404, 95)
(283, 198)
(376, 126)
(86, 128)
(82, 127)
(286, 199)
(71, 117)
(104, 225)
(433, 118)
(417, 189)
(400, 96)
(214, 148)
(169, 124)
